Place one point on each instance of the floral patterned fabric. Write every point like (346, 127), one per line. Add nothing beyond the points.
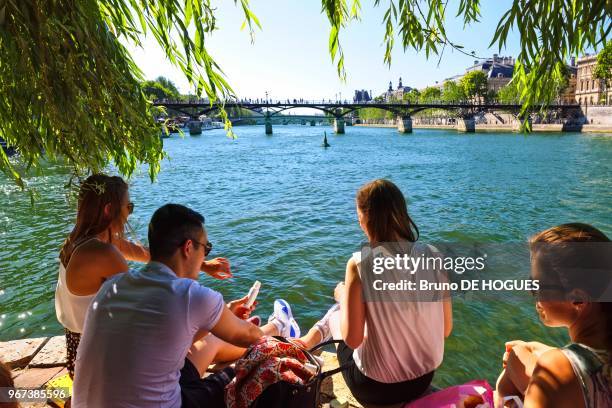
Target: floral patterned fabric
(268, 361)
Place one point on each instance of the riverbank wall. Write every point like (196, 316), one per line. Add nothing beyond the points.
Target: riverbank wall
(540, 127)
(592, 119)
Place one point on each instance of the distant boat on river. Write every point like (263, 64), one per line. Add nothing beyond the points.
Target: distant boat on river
(325, 144)
(209, 124)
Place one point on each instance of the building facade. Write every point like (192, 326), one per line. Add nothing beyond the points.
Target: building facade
(498, 69)
(590, 91)
(362, 96)
(568, 96)
(398, 93)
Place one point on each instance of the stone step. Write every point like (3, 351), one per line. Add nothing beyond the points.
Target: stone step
(35, 377)
(18, 353)
(53, 354)
(47, 359)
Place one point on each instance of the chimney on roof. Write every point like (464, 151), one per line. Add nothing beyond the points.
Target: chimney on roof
(494, 57)
(573, 62)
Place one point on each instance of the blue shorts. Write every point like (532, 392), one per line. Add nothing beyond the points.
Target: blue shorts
(206, 392)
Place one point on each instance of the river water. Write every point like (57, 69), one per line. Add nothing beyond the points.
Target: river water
(281, 208)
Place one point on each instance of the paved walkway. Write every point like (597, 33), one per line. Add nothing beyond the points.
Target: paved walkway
(37, 361)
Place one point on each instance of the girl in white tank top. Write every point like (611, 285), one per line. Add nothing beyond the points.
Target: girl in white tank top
(70, 308)
(103, 208)
(390, 349)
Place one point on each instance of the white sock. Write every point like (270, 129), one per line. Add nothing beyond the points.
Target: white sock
(278, 324)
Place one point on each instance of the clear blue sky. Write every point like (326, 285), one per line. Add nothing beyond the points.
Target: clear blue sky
(290, 57)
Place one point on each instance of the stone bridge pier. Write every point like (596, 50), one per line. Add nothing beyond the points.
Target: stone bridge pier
(404, 124)
(466, 124)
(268, 124)
(339, 125)
(518, 122)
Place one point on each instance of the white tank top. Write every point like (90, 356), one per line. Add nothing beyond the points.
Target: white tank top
(70, 308)
(403, 340)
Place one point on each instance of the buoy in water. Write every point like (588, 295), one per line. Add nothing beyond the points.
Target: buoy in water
(325, 144)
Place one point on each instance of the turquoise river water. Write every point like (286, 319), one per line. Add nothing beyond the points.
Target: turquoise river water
(281, 208)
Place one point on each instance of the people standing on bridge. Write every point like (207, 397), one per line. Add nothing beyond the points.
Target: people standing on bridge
(396, 359)
(97, 249)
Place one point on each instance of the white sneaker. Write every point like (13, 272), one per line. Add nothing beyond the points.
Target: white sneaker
(323, 325)
(283, 319)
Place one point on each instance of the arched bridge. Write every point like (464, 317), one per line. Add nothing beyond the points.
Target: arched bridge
(338, 110)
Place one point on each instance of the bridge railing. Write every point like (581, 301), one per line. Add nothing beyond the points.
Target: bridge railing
(331, 102)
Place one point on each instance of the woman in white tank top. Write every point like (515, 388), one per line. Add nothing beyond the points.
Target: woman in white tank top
(92, 252)
(97, 249)
(392, 348)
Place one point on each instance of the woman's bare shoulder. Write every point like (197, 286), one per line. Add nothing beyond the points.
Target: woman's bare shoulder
(98, 255)
(351, 266)
(554, 383)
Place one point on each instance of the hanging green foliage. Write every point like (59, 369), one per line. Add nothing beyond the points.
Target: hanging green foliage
(550, 32)
(69, 88)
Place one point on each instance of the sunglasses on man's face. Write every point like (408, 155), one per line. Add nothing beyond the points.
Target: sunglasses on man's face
(130, 207)
(207, 246)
